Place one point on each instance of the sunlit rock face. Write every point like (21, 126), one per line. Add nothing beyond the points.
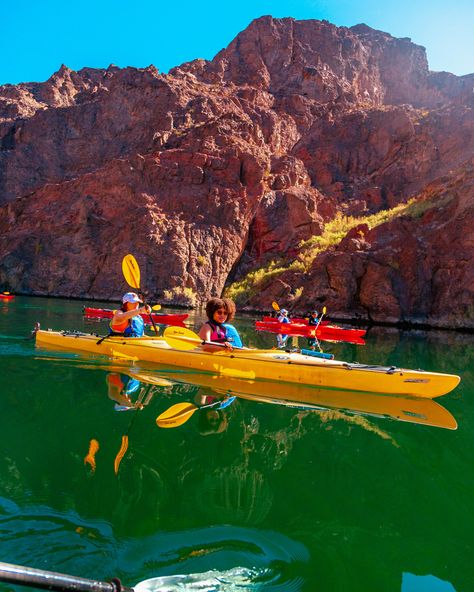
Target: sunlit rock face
(219, 167)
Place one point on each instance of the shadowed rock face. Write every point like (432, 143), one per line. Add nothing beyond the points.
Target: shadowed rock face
(219, 167)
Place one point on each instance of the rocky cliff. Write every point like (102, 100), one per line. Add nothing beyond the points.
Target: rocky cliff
(310, 163)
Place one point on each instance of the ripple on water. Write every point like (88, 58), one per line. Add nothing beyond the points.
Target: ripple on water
(220, 558)
(212, 559)
(46, 539)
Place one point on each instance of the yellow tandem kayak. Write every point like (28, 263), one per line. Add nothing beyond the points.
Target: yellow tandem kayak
(253, 364)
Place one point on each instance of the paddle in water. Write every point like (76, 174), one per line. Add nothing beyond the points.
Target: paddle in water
(236, 578)
(131, 273)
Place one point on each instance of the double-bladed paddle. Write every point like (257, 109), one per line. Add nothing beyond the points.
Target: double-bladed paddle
(184, 339)
(131, 273)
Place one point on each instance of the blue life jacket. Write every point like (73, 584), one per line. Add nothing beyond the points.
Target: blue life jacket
(136, 327)
(131, 385)
(233, 335)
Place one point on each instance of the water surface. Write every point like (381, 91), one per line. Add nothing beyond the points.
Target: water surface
(301, 499)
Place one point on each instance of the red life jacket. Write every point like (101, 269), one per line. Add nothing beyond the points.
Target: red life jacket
(219, 334)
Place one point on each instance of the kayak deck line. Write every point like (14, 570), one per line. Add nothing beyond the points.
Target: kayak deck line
(274, 365)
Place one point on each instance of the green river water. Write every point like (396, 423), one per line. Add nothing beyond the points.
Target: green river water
(313, 500)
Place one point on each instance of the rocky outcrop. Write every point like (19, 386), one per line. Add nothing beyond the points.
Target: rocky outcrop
(218, 168)
(413, 269)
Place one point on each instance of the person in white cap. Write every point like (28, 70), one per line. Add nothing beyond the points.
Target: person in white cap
(127, 320)
(283, 316)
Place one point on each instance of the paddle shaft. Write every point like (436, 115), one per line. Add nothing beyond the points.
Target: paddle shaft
(198, 342)
(50, 580)
(151, 319)
(321, 317)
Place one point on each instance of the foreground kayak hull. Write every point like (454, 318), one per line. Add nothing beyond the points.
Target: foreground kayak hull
(7, 296)
(160, 319)
(261, 364)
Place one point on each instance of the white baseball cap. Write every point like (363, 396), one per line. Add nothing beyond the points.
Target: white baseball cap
(131, 297)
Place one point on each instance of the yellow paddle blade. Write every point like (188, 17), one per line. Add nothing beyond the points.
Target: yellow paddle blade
(176, 415)
(131, 271)
(6, 293)
(181, 338)
(121, 454)
(324, 310)
(156, 307)
(275, 306)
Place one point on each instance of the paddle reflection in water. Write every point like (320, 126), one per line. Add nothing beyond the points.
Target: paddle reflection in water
(122, 387)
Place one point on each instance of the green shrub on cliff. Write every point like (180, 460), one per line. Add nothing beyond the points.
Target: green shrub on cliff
(334, 231)
(181, 296)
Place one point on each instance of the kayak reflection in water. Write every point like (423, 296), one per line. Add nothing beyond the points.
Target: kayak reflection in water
(212, 417)
(281, 340)
(120, 388)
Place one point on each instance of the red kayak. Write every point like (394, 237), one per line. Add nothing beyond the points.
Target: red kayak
(7, 296)
(325, 332)
(298, 320)
(160, 319)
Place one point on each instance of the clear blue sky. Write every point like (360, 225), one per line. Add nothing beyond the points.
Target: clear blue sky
(37, 36)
